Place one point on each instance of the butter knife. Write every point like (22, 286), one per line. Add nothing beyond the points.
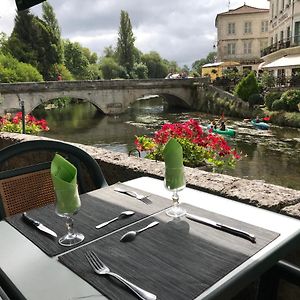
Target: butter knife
(38, 225)
(220, 226)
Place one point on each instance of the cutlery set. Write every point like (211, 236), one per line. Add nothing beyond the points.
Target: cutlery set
(101, 269)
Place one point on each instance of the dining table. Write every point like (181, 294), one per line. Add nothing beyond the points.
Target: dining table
(191, 257)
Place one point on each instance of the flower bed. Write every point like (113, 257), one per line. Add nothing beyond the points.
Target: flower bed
(199, 148)
(10, 123)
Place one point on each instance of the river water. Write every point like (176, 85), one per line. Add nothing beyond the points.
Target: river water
(272, 155)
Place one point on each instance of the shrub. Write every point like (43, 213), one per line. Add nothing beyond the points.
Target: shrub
(291, 99)
(279, 104)
(11, 70)
(255, 99)
(199, 148)
(246, 87)
(270, 98)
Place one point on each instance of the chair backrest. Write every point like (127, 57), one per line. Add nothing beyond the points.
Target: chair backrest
(25, 180)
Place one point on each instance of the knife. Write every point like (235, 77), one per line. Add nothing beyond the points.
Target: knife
(38, 225)
(220, 226)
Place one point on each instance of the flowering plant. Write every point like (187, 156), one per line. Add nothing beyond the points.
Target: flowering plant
(199, 148)
(10, 123)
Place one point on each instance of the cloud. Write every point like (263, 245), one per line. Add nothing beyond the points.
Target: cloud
(178, 30)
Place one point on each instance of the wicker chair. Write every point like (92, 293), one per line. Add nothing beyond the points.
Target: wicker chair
(25, 180)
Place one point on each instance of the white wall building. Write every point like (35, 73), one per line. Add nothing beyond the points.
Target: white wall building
(242, 34)
(283, 53)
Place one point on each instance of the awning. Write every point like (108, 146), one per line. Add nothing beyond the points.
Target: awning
(288, 61)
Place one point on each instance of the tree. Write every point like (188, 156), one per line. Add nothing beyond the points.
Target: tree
(156, 66)
(75, 59)
(210, 58)
(140, 71)
(54, 30)
(247, 87)
(111, 69)
(32, 41)
(125, 47)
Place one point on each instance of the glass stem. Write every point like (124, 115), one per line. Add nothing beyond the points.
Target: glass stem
(69, 224)
(175, 199)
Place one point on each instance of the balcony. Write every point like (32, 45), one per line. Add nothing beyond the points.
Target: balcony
(283, 44)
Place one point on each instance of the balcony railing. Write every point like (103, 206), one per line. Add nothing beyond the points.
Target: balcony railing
(282, 44)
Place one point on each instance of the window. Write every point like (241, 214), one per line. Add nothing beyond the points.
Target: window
(231, 28)
(231, 48)
(247, 28)
(264, 26)
(247, 47)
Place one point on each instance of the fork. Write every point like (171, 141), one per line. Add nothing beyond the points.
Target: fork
(143, 198)
(101, 269)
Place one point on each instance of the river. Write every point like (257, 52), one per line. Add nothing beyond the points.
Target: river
(271, 156)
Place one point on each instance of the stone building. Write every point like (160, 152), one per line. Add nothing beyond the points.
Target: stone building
(242, 34)
(282, 56)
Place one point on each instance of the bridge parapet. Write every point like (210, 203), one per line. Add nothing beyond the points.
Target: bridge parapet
(109, 96)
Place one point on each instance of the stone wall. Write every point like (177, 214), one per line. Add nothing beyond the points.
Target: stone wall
(119, 167)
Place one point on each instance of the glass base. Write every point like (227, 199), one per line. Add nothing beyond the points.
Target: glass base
(71, 239)
(176, 212)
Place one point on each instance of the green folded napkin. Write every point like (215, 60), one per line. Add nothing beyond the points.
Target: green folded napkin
(64, 178)
(174, 170)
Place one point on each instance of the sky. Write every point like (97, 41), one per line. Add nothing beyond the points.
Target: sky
(179, 30)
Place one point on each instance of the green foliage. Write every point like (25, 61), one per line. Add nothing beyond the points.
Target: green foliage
(140, 71)
(291, 98)
(111, 69)
(246, 87)
(267, 79)
(210, 58)
(10, 123)
(155, 64)
(270, 98)
(255, 99)
(61, 69)
(54, 32)
(33, 41)
(94, 72)
(279, 105)
(75, 59)
(125, 48)
(12, 70)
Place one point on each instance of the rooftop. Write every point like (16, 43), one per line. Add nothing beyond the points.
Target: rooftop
(245, 9)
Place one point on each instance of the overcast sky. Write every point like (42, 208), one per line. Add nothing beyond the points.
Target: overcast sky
(180, 30)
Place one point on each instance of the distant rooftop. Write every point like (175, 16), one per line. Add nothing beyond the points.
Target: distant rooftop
(245, 9)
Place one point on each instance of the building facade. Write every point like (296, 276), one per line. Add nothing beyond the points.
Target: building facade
(283, 52)
(242, 34)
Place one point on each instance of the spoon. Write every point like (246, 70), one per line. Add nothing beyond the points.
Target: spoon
(130, 235)
(122, 215)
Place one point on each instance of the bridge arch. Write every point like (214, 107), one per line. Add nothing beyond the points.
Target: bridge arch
(109, 96)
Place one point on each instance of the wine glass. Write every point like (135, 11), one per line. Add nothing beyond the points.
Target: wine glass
(68, 204)
(175, 182)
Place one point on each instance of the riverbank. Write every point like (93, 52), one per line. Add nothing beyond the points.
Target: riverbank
(218, 101)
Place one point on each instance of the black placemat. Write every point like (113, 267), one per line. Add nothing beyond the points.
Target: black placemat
(96, 207)
(178, 259)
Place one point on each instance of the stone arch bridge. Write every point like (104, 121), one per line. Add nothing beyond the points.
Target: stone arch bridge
(109, 96)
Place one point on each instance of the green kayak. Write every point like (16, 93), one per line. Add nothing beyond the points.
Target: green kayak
(228, 131)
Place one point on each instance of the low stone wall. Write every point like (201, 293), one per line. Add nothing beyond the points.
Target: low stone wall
(119, 167)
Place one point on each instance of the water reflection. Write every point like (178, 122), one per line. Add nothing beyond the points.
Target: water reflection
(272, 156)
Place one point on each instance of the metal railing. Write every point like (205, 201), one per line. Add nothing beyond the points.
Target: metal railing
(282, 44)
